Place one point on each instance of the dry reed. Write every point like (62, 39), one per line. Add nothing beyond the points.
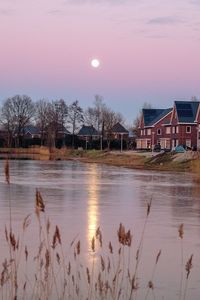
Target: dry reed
(111, 273)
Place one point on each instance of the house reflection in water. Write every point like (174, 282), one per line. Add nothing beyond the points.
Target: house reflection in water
(93, 202)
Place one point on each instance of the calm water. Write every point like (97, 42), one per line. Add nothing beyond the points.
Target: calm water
(80, 197)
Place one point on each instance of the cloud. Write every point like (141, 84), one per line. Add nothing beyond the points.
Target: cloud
(55, 12)
(114, 2)
(196, 2)
(168, 20)
(6, 12)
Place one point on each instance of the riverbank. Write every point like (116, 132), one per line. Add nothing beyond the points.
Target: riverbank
(139, 160)
(188, 161)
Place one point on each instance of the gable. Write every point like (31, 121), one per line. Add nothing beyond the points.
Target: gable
(87, 131)
(118, 128)
(186, 111)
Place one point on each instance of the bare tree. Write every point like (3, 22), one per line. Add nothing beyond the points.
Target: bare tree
(56, 119)
(17, 112)
(110, 118)
(75, 117)
(94, 115)
(41, 117)
(90, 117)
(8, 122)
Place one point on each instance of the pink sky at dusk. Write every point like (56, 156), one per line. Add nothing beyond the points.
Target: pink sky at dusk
(149, 51)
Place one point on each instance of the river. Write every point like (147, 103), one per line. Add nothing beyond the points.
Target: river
(79, 197)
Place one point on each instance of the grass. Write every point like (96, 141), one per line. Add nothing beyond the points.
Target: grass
(59, 271)
(160, 162)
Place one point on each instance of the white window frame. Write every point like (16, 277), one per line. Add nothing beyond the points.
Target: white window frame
(168, 130)
(190, 129)
(188, 143)
(149, 131)
(160, 131)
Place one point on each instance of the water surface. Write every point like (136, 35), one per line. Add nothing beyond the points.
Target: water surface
(80, 197)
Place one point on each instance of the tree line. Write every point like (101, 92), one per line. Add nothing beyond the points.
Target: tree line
(52, 117)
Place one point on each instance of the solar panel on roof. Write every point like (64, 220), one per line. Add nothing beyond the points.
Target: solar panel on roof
(183, 106)
(185, 112)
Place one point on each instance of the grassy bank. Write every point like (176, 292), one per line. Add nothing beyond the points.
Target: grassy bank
(160, 162)
(189, 161)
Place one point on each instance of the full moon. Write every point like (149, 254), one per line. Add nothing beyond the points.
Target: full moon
(95, 63)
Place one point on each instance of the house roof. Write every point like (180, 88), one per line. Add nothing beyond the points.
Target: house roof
(31, 129)
(186, 111)
(63, 129)
(152, 116)
(118, 128)
(88, 131)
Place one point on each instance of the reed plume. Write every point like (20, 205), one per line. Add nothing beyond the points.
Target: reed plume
(39, 203)
(7, 171)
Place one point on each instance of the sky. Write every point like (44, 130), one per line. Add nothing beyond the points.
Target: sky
(149, 51)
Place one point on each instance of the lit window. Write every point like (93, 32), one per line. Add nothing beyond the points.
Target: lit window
(148, 131)
(168, 130)
(188, 143)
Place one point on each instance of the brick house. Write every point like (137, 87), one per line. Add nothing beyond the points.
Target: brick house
(184, 124)
(152, 128)
(118, 131)
(88, 133)
(170, 127)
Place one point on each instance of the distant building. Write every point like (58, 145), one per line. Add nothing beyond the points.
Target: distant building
(170, 127)
(31, 131)
(118, 131)
(88, 132)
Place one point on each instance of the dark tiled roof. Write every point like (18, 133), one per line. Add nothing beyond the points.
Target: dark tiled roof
(31, 129)
(151, 116)
(118, 128)
(186, 111)
(63, 129)
(88, 131)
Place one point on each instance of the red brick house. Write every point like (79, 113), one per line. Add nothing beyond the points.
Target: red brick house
(153, 130)
(170, 127)
(184, 124)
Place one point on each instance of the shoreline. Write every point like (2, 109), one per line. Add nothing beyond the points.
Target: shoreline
(188, 161)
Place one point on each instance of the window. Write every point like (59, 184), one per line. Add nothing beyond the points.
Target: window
(141, 132)
(173, 129)
(159, 131)
(177, 129)
(148, 144)
(188, 129)
(168, 130)
(148, 131)
(188, 143)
